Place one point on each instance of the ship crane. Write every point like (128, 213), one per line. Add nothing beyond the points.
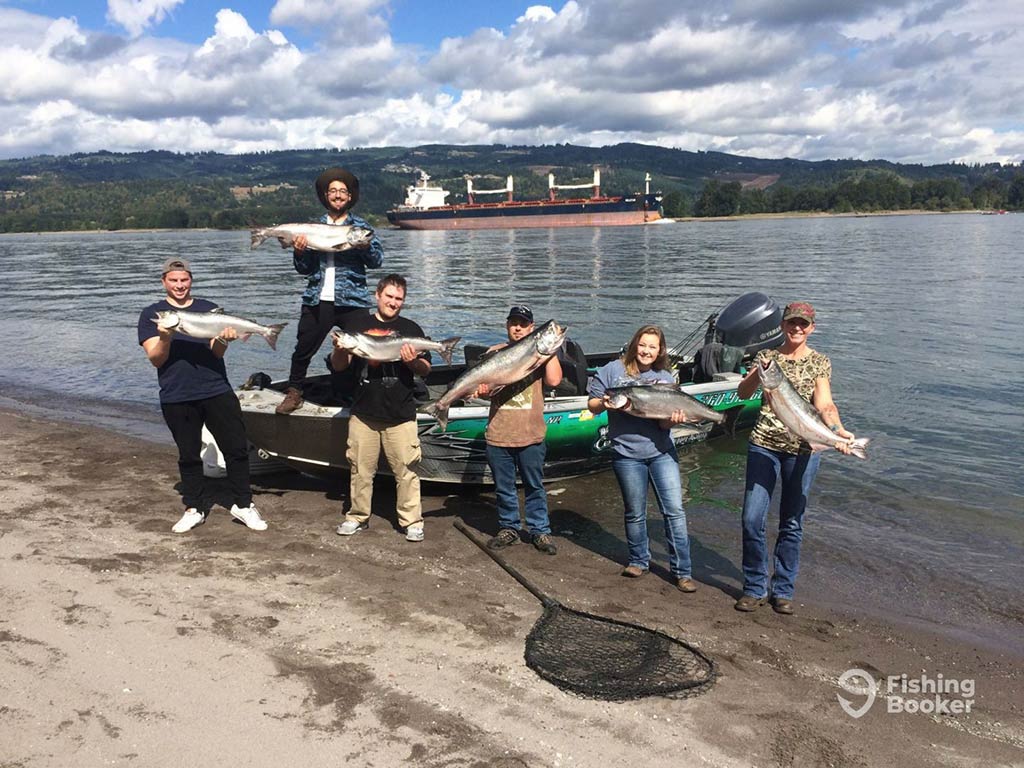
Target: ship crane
(470, 191)
(596, 185)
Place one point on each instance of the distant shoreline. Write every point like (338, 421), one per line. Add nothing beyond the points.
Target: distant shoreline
(826, 215)
(142, 231)
(737, 217)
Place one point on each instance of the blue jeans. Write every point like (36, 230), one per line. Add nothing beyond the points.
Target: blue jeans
(764, 468)
(662, 472)
(529, 462)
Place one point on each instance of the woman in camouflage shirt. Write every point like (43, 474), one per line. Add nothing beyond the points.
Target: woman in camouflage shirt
(773, 453)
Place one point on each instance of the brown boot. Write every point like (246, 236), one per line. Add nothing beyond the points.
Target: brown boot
(686, 585)
(292, 400)
(748, 603)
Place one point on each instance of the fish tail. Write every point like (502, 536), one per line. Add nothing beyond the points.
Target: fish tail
(258, 237)
(448, 348)
(272, 334)
(730, 419)
(440, 414)
(857, 447)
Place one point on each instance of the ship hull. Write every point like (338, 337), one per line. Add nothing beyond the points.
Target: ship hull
(531, 215)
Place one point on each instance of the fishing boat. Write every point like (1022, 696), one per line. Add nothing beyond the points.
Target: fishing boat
(312, 439)
(425, 207)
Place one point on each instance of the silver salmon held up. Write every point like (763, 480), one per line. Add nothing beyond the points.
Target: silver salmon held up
(209, 325)
(801, 417)
(319, 237)
(505, 366)
(660, 401)
(385, 349)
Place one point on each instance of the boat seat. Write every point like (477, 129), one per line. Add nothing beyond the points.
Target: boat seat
(574, 370)
(714, 358)
(473, 353)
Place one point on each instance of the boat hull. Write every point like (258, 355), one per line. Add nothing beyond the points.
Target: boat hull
(313, 438)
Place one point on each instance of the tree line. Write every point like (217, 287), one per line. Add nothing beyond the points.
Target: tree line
(52, 200)
(860, 192)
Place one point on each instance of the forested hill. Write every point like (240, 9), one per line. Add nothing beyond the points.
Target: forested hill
(108, 190)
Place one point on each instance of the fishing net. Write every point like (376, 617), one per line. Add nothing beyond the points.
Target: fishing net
(602, 658)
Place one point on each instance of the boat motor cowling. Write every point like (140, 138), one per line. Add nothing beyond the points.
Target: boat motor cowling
(746, 326)
(752, 322)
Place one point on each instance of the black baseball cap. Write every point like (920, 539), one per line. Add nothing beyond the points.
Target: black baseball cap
(521, 312)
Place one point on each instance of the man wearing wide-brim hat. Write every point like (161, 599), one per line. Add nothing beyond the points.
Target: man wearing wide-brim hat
(336, 286)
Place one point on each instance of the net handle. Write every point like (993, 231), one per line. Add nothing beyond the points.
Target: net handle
(547, 601)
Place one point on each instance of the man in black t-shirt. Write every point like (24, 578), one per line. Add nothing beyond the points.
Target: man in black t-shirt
(383, 413)
(194, 391)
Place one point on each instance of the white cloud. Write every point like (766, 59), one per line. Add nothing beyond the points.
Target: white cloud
(316, 12)
(136, 15)
(908, 80)
(354, 23)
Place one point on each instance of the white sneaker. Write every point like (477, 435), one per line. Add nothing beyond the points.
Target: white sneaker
(189, 520)
(414, 532)
(250, 516)
(349, 527)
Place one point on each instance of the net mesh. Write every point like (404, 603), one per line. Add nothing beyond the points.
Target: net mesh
(603, 658)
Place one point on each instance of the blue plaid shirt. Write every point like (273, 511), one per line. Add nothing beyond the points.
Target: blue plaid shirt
(349, 269)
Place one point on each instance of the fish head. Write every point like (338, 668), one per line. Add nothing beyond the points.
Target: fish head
(167, 319)
(550, 337)
(359, 237)
(771, 375)
(619, 400)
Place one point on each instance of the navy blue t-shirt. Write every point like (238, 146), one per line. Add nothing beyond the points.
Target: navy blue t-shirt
(192, 371)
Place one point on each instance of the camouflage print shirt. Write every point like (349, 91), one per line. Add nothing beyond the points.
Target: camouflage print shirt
(769, 432)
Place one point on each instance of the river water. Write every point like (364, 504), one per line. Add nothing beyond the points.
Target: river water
(921, 315)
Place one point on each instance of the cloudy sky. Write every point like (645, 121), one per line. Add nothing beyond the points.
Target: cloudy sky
(924, 81)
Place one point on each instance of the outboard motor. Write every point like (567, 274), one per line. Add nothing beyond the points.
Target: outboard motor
(752, 322)
(746, 326)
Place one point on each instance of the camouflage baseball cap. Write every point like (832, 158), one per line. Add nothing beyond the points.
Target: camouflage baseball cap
(799, 309)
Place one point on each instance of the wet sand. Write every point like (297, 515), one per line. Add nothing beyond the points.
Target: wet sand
(122, 643)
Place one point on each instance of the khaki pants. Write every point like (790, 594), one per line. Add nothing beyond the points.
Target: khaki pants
(401, 444)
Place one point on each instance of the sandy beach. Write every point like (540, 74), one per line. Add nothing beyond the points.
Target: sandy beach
(124, 644)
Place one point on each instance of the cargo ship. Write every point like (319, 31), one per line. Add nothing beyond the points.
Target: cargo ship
(425, 208)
